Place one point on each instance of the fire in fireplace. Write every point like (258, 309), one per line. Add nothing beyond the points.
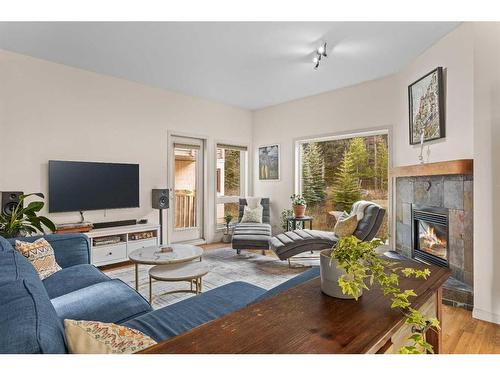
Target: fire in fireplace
(430, 235)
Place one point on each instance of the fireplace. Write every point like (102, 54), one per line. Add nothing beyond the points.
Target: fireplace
(430, 235)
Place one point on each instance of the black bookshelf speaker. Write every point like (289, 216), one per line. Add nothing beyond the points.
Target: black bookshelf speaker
(10, 199)
(160, 199)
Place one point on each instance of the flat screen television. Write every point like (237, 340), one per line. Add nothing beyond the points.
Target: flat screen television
(85, 186)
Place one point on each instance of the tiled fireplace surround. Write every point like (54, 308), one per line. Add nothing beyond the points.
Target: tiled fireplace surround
(452, 192)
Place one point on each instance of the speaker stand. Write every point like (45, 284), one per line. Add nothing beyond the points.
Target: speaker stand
(161, 226)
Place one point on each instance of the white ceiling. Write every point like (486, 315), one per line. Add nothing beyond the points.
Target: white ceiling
(246, 64)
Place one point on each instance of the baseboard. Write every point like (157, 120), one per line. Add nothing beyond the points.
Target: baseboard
(485, 315)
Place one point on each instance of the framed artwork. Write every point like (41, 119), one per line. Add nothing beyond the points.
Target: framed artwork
(426, 107)
(269, 163)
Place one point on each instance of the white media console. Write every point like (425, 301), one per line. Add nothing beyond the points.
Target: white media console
(112, 245)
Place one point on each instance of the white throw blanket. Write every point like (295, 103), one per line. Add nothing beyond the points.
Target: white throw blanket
(358, 208)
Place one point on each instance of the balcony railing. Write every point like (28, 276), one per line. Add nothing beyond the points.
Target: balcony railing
(185, 209)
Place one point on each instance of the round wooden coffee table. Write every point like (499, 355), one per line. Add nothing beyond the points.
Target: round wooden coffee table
(154, 256)
(192, 272)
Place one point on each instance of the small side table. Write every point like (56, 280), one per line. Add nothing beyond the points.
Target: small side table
(291, 222)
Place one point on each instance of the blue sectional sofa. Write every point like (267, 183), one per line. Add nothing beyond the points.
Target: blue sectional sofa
(32, 311)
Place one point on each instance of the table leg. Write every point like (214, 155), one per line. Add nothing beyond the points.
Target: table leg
(191, 285)
(311, 225)
(137, 276)
(201, 285)
(150, 289)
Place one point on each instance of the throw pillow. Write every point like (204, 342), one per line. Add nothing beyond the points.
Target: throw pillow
(253, 202)
(87, 337)
(41, 256)
(252, 215)
(346, 225)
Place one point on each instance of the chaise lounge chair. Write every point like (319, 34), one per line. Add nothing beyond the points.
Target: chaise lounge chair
(252, 235)
(288, 244)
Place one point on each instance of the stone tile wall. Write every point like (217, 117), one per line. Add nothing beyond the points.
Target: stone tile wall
(451, 192)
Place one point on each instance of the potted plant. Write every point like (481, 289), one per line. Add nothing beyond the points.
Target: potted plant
(25, 220)
(226, 238)
(299, 205)
(354, 266)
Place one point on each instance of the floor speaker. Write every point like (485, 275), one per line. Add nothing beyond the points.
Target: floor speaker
(160, 199)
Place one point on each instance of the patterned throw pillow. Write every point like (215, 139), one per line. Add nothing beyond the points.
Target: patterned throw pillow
(41, 256)
(87, 337)
(346, 225)
(252, 215)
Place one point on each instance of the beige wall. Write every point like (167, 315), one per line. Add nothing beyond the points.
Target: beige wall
(51, 111)
(487, 171)
(454, 53)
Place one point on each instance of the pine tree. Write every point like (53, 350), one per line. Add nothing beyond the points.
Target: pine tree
(382, 164)
(346, 187)
(313, 180)
(360, 158)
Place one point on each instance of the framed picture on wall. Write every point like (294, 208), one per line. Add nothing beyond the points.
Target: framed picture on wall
(426, 107)
(269, 162)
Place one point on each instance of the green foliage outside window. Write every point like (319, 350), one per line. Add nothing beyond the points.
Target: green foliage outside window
(346, 189)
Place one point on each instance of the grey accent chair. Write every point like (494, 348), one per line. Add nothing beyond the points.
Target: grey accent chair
(252, 235)
(288, 244)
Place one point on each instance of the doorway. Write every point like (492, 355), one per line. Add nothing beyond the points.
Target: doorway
(186, 181)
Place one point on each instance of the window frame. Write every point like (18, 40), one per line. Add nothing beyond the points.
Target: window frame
(244, 170)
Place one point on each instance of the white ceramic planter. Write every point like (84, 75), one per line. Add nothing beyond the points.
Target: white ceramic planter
(330, 275)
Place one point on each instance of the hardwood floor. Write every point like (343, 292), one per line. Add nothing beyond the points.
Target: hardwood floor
(463, 334)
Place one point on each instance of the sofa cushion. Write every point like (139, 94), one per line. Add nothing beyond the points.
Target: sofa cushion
(87, 337)
(28, 321)
(185, 315)
(14, 266)
(41, 256)
(69, 249)
(299, 279)
(5, 245)
(73, 278)
(110, 301)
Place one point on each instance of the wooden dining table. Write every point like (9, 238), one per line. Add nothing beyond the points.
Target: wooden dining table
(305, 320)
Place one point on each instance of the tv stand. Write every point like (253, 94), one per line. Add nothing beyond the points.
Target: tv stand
(112, 245)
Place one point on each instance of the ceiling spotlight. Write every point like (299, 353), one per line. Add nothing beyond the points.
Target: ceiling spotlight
(316, 60)
(320, 53)
(322, 50)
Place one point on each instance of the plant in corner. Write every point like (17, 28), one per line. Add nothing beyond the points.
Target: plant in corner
(25, 220)
(361, 267)
(299, 205)
(226, 238)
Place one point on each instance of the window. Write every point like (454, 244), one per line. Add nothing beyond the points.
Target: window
(334, 172)
(231, 170)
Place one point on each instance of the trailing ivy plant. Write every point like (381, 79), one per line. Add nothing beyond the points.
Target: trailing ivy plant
(25, 220)
(364, 267)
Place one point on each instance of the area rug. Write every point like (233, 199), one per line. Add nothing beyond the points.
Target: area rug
(225, 267)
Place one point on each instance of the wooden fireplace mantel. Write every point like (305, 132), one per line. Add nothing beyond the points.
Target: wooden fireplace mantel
(451, 167)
